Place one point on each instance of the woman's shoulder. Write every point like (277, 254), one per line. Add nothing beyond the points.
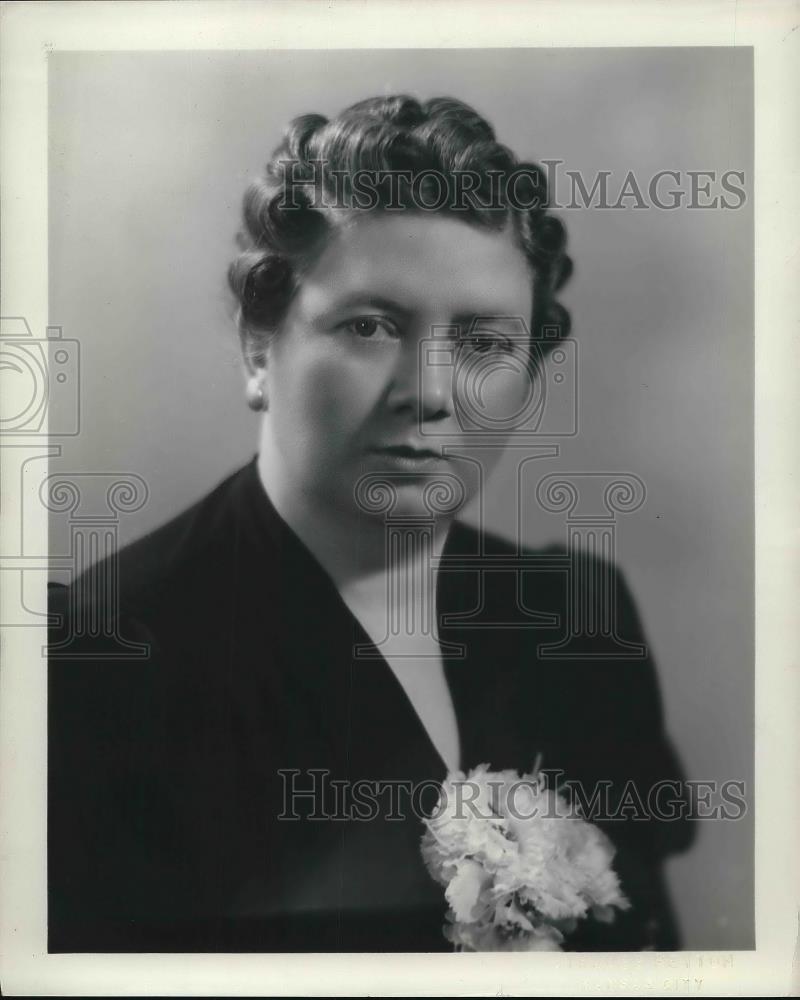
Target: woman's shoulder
(544, 571)
(140, 636)
(156, 569)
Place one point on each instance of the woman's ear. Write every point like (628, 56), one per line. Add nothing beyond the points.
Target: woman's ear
(254, 351)
(255, 354)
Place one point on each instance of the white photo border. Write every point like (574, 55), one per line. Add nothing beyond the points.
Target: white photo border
(30, 32)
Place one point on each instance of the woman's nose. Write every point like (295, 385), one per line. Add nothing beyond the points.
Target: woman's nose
(424, 379)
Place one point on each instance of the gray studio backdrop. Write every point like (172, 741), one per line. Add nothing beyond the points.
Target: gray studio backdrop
(149, 156)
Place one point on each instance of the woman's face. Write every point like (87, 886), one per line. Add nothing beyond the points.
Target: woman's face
(402, 343)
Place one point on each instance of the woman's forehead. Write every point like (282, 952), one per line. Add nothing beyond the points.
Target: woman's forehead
(415, 261)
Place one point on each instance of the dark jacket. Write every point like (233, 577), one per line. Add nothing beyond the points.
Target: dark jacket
(208, 671)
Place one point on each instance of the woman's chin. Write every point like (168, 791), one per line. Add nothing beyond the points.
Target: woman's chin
(430, 495)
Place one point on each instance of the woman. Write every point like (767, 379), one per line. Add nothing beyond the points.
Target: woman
(315, 656)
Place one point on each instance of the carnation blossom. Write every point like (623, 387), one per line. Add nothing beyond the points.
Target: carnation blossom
(518, 869)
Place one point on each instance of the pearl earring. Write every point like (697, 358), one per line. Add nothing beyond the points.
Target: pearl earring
(254, 394)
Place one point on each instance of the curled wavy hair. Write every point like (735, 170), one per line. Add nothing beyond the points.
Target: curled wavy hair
(286, 222)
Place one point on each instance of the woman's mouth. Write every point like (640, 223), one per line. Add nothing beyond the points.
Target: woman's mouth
(406, 456)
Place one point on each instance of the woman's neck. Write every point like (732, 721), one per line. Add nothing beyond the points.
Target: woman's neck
(351, 546)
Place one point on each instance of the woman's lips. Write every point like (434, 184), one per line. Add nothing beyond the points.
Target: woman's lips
(410, 457)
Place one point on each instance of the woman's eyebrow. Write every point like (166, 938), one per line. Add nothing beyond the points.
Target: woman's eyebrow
(369, 300)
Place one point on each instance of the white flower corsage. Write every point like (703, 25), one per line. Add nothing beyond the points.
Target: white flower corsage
(519, 868)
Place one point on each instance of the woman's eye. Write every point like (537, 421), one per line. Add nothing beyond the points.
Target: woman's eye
(371, 328)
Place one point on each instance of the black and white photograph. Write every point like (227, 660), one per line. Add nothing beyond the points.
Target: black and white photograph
(384, 517)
